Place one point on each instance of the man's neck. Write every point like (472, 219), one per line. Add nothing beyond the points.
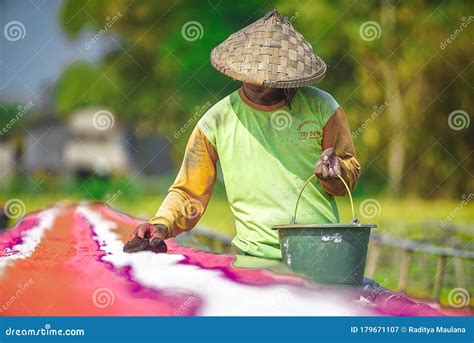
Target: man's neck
(266, 97)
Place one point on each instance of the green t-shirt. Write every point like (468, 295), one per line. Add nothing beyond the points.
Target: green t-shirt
(266, 156)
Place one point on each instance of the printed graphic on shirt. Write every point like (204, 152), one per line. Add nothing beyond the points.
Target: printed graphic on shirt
(310, 129)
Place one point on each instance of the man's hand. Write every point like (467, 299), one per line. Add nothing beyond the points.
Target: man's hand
(149, 231)
(328, 166)
(147, 237)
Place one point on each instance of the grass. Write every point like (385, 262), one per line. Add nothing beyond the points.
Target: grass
(395, 217)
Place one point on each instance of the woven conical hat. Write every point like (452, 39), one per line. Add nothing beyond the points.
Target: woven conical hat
(269, 53)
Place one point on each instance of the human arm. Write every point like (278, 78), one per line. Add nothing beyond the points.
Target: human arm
(338, 156)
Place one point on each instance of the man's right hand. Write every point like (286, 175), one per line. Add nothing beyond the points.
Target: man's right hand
(147, 237)
(150, 231)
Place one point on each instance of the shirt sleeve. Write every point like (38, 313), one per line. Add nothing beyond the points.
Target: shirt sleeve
(336, 134)
(189, 195)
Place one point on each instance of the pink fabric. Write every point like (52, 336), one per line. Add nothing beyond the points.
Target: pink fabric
(13, 236)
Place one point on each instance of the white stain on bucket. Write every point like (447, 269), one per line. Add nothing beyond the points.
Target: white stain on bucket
(288, 259)
(336, 238)
(287, 253)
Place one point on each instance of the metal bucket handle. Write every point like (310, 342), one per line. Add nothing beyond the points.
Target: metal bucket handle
(354, 220)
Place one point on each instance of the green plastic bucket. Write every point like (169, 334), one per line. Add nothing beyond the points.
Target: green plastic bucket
(327, 253)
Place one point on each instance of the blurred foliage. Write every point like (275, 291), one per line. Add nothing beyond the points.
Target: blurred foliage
(92, 187)
(10, 115)
(407, 62)
(155, 78)
(82, 85)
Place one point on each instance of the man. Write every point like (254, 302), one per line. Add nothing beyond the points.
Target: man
(268, 136)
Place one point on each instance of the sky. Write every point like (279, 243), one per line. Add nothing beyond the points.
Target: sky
(31, 61)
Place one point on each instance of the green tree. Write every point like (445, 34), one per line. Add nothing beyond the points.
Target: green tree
(391, 52)
(160, 72)
(388, 68)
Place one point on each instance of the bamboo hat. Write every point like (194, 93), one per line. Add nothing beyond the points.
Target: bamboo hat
(269, 53)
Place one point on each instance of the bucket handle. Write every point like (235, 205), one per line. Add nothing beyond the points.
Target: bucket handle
(354, 220)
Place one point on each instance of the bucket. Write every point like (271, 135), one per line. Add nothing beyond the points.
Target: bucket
(327, 253)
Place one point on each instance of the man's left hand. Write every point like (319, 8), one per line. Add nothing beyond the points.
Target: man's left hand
(328, 166)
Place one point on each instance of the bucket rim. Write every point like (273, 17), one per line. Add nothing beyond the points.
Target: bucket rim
(325, 226)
